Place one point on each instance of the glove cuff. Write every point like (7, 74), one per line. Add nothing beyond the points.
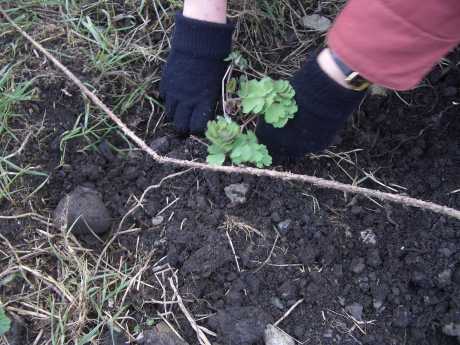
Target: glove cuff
(201, 38)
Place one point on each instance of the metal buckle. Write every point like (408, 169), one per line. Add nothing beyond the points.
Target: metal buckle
(357, 82)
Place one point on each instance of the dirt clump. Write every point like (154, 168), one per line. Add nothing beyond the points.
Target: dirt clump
(84, 211)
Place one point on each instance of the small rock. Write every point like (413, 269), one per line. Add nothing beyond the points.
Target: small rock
(283, 226)
(274, 336)
(401, 317)
(162, 334)
(237, 192)
(276, 302)
(355, 310)
(240, 325)
(157, 220)
(446, 251)
(160, 145)
(368, 237)
(84, 211)
(357, 265)
(444, 278)
(451, 329)
(316, 22)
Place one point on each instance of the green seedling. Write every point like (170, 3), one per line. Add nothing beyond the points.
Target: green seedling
(273, 99)
(227, 140)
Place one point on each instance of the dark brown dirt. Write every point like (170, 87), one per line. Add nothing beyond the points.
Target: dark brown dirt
(407, 281)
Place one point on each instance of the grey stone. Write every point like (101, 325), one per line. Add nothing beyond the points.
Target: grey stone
(157, 220)
(240, 325)
(356, 310)
(283, 226)
(451, 329)
(316, 22)
(160, 145)
(276, 302)
(84, 211)
(368, 237)
(445, 277)
(273, 336)
(237, 192)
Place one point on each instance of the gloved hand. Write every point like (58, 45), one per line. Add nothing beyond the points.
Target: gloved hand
(191, 80)
(324, 107)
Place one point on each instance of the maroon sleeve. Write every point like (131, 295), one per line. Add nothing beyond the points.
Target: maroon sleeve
(395, 43)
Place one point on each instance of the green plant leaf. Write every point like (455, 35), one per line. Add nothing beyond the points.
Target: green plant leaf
(248, 150)
(222, 133)
(5, 322)
(216, 159)
(273, 99)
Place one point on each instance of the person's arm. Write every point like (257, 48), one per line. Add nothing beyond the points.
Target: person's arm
(210, 11)
(395, 43)
(192, 78)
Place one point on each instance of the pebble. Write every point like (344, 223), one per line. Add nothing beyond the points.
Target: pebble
(451, 329)
(368, 237)
(276, 302)
(283, 226)
(157, 220)
(160, 145)
(316, 22)
(356, 310)
(236, 193)
(357, 265)
(274, 336)
(445, 278)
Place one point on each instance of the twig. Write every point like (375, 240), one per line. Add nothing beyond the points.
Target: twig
(233, 251)
(199, 330)
(283, 175)
(290, 310)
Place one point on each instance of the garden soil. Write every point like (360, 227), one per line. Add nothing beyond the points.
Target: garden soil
(366, 272)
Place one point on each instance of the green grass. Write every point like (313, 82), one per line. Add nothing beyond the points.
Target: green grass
(12, 94)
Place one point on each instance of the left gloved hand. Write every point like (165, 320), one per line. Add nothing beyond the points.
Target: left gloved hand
(191, 80)
(324, 107)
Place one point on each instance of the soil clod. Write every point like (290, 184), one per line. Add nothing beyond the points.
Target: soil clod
(241, 325)
(84, 211)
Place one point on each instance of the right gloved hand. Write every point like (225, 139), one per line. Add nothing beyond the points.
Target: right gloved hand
(191, 81)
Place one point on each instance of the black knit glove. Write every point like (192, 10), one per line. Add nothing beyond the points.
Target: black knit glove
(324, 107)
(191, 81)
